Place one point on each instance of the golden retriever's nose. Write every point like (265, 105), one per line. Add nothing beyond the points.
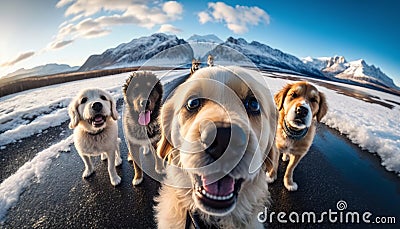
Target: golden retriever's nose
(218, 139)
(97, 106)
(301, 111)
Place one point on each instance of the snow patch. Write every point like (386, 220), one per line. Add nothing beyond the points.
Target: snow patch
(12, 187)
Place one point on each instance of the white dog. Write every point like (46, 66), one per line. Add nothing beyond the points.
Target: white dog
(93, 116)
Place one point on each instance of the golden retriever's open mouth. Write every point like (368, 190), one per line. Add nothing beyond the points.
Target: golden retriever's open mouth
(219, 197)
(97, 121)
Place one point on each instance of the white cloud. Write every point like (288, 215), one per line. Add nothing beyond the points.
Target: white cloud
(167, 28)
(204, 17)
(237, 18)
(17, 59)
(59, 44)
(96, 18)
(172, 8)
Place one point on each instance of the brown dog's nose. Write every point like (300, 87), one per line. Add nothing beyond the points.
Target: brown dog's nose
(145, 103)
(218, 139)
(97, 106)
(301, 111)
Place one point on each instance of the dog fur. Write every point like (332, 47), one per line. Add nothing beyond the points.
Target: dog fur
(142, 93)
(188, 143)
(93, 116)
(300, 106)
(195, 66)
(210, 60)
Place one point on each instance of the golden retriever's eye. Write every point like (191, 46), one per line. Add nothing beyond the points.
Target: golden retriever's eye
(193, 104)
(293, 95)
(103, 98)
(252, 105)
(83, 100)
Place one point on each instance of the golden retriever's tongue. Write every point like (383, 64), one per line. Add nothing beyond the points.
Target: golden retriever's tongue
(144, 118)
(222, 187)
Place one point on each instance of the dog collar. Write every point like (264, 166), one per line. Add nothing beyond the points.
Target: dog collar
(193, 218)
(96, 133)
(294, 134)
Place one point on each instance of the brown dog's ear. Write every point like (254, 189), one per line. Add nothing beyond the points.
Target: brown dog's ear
(164, 146)
(73, 114)
(280, 96)
(323, 107)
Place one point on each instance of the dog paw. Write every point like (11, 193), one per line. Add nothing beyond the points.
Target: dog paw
(103, 156)
(137, 181)
(291, 187)
(285, 157)
(87, 173)
(118, 161)
(115, 180)
(270, 179)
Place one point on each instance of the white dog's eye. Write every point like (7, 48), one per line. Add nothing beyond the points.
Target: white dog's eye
(193, 104)
(103, 98)
(252, 106)
(83, 100)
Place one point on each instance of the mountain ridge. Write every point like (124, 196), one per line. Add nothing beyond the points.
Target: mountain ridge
(337, 67)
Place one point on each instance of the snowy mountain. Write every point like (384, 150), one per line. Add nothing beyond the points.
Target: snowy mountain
(358, 71)
(206, 38)
(201, 45)
(240, 51)
(138, 51)
(42, 70)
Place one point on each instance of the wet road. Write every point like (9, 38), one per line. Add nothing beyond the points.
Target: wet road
(333, 170)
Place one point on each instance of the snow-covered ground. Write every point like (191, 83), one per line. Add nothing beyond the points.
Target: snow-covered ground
(371, 126)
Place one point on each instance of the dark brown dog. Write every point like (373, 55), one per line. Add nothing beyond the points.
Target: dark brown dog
(142, 96)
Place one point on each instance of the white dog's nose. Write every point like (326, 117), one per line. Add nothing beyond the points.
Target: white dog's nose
(218, 137)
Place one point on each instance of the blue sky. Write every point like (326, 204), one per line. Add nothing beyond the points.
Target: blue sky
(69, 31)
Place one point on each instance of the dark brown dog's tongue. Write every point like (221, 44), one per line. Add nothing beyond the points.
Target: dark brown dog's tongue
(144, 118)
(222, 187)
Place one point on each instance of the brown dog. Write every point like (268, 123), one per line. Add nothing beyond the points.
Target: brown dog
(300, 106)
(142, 96)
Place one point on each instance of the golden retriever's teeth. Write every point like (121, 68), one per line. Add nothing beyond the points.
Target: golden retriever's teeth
(213, 197)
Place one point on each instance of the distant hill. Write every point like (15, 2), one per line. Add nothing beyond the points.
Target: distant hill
(262, 56)
(205, 38)
(138, 51)
(42, 70)
(357, 71)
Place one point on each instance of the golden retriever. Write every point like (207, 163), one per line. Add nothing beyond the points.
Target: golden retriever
(93, 116)
(216, 131)
(210, 60)
(300, 106)
(195, 66)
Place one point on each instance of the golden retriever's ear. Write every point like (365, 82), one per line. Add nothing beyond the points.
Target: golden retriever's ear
(323, 107)
(73, 114)
(164, 147)
(114, 112)
(280, 96)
